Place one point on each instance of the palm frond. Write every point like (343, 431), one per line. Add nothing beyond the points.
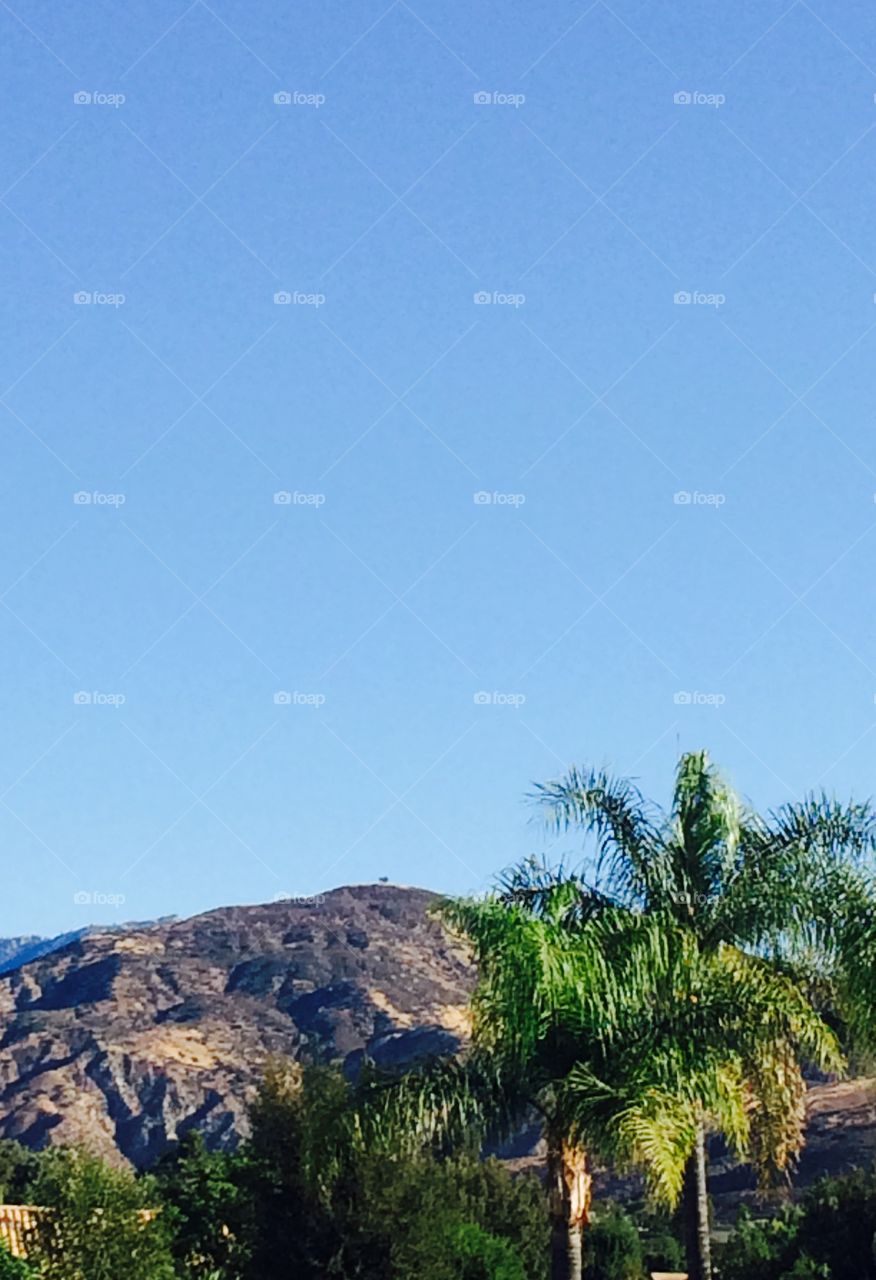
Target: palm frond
(613, 810)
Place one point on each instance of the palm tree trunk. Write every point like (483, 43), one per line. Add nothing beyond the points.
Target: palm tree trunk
(697, 1240)
(570, 1194)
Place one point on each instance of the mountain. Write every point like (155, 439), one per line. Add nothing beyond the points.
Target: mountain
(12, 948)
(15, 952)
(125, 1038)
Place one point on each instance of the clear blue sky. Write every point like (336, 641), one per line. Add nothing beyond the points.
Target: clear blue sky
(383, 597)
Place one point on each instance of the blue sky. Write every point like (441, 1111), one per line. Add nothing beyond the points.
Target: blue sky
(214, 696)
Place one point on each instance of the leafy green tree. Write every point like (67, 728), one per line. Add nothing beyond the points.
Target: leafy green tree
(613, 1248)
(473, 1254)
(202, 1202)
(321, 1196)
(458, 1217)
(98, 1223)
(830, 1232)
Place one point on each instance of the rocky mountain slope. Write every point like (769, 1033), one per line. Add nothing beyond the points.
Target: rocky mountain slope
(125, 1040)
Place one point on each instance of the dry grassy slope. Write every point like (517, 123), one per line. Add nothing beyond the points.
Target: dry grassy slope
(124, 1041)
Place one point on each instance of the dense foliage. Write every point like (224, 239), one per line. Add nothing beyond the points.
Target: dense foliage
(321, 1201)
(830, 1233)
(98, 1223)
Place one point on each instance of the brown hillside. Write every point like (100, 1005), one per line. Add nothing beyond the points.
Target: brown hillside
(126, 1040)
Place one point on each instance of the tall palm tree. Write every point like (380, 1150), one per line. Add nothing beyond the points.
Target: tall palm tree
(739, 900)
(614, 1029)
(549, 999)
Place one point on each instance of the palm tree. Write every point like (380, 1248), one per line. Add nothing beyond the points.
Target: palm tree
(738, 899)
(546, 995)
(615, 1030)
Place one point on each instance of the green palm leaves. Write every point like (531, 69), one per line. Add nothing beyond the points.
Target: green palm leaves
(675, 983)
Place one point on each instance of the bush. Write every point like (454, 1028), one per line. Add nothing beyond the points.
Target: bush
(201, 1198)
(830, 1233)
(19, 1169)
(318, 1203)
(96, 1228)
(612, 1247)
(14, 1268)
(661, 1246)
(476, 1255)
